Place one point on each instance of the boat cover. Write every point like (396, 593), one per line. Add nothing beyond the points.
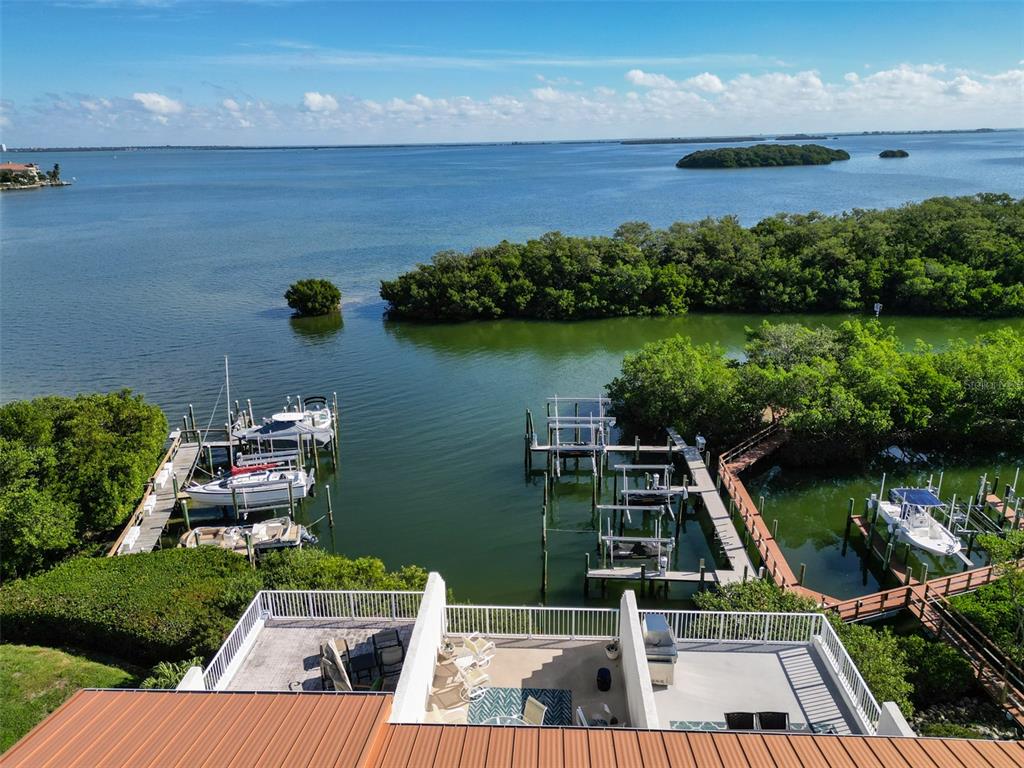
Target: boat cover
(919, 497)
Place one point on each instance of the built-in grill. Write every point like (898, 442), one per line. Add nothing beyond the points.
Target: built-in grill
(660, 648)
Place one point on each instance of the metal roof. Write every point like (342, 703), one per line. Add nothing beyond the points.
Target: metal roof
(349, 730)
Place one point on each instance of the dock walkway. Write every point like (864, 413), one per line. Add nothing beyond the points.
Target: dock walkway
(146, 525)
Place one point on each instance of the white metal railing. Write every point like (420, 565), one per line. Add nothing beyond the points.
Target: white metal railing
(218, 666)
(835, 654)
(310, 604)
(736, 626)
(341, 604)
(532, 621)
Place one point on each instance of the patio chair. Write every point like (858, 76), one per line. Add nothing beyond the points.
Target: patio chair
(534, 712)
(332, 668)
(740, 721)
(457, 716)
(773, 721)
(477, 644)
(474, 684)
(581, 718)
(390, 661)
(387, 638)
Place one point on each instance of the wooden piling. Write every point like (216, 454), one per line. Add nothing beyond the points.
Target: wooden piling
(330, 508)
(192, 417)
(700, 583)
(775, 528)
(234, 502)
(643, 576)
(184, 514)
(291, 501)
(803, 573)
(636, 449)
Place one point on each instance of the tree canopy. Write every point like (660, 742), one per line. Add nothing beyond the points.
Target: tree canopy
(944, 256)
(845, 391)
(69, 468)
(762, 156)
(313, 296)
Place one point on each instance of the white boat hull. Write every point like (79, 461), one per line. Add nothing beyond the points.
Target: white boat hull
(256, 490)
(920, 530)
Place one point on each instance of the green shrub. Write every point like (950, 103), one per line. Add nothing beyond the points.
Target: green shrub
(951, 731)
(313, 297)
(171, 604)
(86, 459)
(167, 674)
(939, 673)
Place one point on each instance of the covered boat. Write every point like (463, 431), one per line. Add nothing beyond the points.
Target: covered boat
(278, 533)
(314, 422)
(908, 513)
(251, 490)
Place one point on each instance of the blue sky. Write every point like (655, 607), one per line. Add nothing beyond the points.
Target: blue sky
(89, 72)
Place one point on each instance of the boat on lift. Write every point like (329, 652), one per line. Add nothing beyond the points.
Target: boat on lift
(259, 488)
(314, 421)
(908, 514)
(279, 533)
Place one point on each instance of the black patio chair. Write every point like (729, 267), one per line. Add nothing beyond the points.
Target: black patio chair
(739, 721)
(773, 721)
(388, 638)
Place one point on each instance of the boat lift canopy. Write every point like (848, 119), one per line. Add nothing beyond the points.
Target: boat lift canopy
(918, 497)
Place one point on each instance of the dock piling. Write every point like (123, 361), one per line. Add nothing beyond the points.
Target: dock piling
(803, 573)
(330, 508)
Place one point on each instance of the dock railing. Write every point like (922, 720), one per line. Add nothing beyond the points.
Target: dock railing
(794, 628)
(532, 621)
(306, 604)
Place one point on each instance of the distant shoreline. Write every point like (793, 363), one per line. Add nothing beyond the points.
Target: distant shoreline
(454, 145)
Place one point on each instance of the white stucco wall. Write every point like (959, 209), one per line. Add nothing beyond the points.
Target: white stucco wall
(892, 723)
(413, 690)
(636, 676)
(192, 681)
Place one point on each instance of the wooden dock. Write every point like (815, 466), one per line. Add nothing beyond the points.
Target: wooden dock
(148, 520)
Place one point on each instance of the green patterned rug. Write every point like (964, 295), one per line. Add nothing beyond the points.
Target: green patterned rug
(511, 701)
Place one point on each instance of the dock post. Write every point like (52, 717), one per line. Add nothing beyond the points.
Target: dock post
(760, 505)
(546, 489)
(330, 509)
(643, 574)
(234, 502)
(184, 426)
(316, 455)
(887, 557)
(970, 543)
(291, 501)
(544, 527)
(775, 529)
(615, 488)
(174, 485)
(849, 522)
(803, 572)
(527, 453)
(874, 521)
(192, 418)
(184, 514)
(209, 457)
(249, 550)
(636, 449)
(700, 583)
(746, 568)
(576, 416)
(252, 420)
(924, 573)
(586, 574)
(593, 494)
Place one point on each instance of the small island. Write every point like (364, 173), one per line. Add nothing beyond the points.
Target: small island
(894, 153)
(29, 176)
(762, 156)
(313, 297)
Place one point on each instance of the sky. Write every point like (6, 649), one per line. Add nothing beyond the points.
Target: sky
(257, 72)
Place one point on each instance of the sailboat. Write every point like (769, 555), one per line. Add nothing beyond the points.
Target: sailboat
(908, 513)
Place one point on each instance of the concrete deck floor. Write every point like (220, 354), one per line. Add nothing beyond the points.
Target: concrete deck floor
(545, 663)
(286, 654)
(714, 678)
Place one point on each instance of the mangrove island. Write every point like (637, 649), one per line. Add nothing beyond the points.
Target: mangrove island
(943, 256)
(887, 153)
(762, 156)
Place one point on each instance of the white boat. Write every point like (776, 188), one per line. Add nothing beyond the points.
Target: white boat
(279, 533)
(253, 490)
(908, 513)
(314, 422)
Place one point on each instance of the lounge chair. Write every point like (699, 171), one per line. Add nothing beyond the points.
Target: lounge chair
(457, 716)
(474, 684)
(740, 721)
(534, 712)
(773, 721)
(332, 668)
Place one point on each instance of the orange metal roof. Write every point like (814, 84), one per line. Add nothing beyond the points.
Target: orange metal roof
(439, 745)
(215, 730)
(170, 728)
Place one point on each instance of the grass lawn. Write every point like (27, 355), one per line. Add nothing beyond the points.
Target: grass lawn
(35, 681)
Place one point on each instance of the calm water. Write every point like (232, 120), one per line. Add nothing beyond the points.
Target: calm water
(157, 263)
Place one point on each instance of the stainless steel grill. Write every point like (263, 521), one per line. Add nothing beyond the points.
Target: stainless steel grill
(660, 648)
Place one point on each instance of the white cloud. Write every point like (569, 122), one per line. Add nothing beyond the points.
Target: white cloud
(547, 94)
(705, 81)
(158, 104)
(231, 105)
(649, 79)
(319, 102)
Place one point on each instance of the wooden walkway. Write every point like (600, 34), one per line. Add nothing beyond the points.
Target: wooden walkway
(146, 524)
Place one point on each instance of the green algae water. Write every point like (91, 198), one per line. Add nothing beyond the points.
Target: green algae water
(156, 264)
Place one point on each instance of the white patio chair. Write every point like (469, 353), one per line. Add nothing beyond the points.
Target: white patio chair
(534, 712)
(456, 716)
(474, 683)
(477, 644)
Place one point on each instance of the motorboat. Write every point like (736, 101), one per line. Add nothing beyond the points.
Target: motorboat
(253, 489)
(313, 422)
(908, 513)
(279, 533)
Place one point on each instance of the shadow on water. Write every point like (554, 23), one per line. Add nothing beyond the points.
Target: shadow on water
(315, 330)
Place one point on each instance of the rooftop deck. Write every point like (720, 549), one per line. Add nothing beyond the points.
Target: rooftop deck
(560, 673)
(285, 655)
(714, 678)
